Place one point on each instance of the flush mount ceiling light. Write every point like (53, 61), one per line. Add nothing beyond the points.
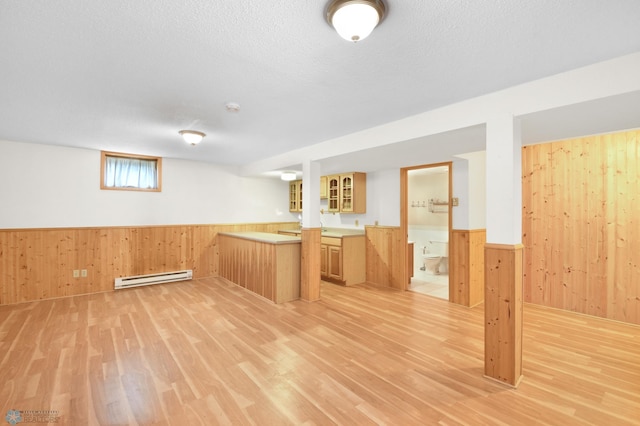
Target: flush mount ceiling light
(289, 176)
(232, 107)
(355, 19)
(191, 136)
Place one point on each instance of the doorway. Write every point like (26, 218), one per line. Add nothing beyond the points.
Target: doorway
(427, 219)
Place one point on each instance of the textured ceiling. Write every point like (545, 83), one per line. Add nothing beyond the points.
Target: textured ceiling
(127, 75)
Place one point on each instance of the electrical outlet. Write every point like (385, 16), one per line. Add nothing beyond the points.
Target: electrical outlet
(376, 224)
(454, 201)
(83, 273)
(357, 223)
(76, 273)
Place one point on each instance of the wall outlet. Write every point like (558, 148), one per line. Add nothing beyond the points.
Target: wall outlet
(376, 224)
(454, 201)
(83, 273)
(357, 223)
(76, 273)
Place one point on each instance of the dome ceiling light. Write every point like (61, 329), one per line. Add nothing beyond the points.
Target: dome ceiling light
(354, 20)
(192, 137)
(288, 176)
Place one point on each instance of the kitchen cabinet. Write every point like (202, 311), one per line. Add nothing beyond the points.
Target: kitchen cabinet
(347, 193)
(323, 187)
(334, 263)
(333, 197)
(343, 259)
(342, 255)
(323, 261)
(295, 193)
(295, 196)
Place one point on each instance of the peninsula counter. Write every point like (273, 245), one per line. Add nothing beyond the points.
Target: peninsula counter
(263, 263)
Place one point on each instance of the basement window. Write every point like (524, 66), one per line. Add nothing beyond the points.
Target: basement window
(130, 172)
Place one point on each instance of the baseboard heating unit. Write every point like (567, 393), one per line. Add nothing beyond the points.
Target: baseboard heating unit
(165, 277)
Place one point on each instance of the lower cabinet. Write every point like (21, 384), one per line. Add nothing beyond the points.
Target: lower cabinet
(334, 266)
(342, 260)
(323, 261)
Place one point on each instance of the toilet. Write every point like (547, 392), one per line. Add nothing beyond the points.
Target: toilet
(434, 257)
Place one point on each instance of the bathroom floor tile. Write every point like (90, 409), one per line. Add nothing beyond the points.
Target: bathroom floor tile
(432, 285)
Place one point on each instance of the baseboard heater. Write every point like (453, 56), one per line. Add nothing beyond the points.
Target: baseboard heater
(149, 279)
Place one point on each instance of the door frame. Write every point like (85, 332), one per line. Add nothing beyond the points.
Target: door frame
(404, 213)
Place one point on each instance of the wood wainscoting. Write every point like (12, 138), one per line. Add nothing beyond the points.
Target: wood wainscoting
(386, 252)
(581, 206)
(466, 272)
(38, 263)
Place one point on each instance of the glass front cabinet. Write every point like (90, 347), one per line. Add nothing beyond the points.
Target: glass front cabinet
(333, 189)
(345, 193)
(295, 196)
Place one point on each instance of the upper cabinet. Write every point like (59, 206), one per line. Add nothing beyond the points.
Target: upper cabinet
(345, 193)
(323, 187)
(295, 196)
(333, 191)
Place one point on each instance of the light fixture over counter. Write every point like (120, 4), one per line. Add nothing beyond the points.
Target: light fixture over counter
(192, 137)
(288, 176)
(354, 20)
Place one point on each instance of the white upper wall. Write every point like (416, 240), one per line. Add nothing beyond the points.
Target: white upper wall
(50, 186)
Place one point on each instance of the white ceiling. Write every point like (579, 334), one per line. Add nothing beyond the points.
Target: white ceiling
(127, 75)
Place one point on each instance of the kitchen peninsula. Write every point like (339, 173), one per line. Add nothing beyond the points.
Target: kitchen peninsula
(264, 263)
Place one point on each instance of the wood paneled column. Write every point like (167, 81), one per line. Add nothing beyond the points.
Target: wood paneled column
(311, 231)
(466, 272)
(503, 252)
(503, 313)
(310, 264)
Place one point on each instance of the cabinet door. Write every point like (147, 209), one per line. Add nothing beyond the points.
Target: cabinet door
(334, 257)
(346, 193)
(295, 196)
(299, 195)
(333, 187)
(323, 261)
(323, 187)
(353, 193)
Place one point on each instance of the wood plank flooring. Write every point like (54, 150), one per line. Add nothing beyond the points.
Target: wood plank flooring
(208, 352)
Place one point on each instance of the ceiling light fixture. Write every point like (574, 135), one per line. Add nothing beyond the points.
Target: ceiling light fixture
(288, 176)
(354, 20)
(232, 107)
(191, 136)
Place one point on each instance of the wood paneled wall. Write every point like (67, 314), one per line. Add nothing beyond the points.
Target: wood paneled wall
(38, 263)
(386, 256)
(581, 225)
(466, 271)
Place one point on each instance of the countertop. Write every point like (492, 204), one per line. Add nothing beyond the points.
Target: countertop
(264, 237)
(332, 232)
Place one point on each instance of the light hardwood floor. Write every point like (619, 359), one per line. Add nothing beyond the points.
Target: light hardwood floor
(208, 352)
